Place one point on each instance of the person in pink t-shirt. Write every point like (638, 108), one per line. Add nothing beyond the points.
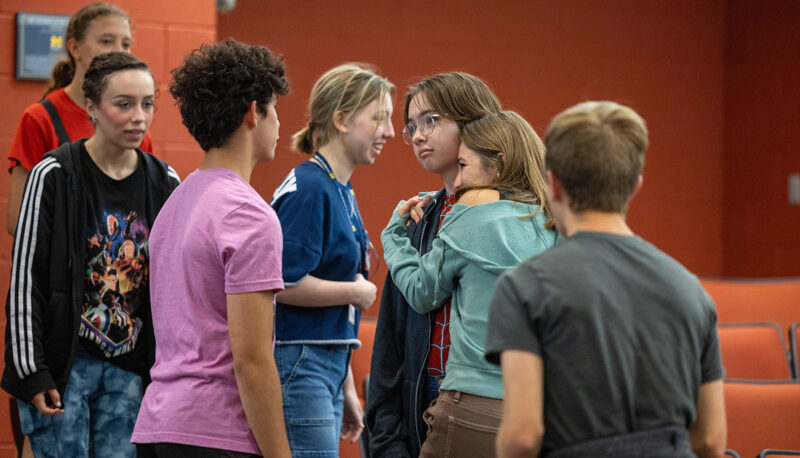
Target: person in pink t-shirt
(215, 267)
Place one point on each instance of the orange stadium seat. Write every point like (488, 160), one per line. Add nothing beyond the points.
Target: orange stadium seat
(754, 351)
(762, 415)
(360, 362)
(794, 338)
(755, 300)
(771, 452)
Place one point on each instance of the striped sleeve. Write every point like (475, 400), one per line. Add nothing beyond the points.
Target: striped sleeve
(173, 175)
(22, 290)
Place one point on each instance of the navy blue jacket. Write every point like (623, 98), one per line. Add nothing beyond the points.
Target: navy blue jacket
(399, 359)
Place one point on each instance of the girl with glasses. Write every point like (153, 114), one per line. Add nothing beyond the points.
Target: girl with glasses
(498, 221)
(410, 349)
(326, 258)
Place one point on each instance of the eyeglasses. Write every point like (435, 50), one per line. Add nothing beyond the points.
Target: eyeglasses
(426, 125)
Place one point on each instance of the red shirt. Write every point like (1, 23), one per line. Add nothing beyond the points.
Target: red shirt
(440, 337)
(36, 135)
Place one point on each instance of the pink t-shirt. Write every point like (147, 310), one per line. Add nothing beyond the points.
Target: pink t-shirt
(214, 236)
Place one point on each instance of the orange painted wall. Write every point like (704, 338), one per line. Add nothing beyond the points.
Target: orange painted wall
(664, 59)
(762, 146)
(163, 32)
(714, 80)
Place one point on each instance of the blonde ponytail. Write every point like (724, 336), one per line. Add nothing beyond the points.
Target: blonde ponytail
(303, 140)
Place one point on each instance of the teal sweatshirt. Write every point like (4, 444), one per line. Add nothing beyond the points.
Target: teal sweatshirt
(475, 245)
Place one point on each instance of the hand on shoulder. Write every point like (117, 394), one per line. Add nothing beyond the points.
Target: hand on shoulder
(414, 207)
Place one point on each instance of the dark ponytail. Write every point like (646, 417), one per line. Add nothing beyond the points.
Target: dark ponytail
(61, 76)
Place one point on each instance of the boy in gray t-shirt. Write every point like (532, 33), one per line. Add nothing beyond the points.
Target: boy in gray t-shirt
(608, 346)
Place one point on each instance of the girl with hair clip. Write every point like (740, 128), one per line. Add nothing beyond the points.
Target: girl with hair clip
(60, 117)
(80, 344)
(326, 258)
(410, 349)
(499, 220)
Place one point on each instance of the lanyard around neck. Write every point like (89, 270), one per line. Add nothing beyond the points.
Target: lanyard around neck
(350, 209)
(348, 204)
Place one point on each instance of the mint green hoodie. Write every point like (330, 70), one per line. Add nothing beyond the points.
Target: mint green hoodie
(475, 245)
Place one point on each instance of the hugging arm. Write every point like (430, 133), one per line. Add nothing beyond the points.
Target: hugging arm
(425, 281)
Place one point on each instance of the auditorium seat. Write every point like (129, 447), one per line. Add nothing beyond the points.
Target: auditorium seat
(363, 441)
(360, 360)
(762, 415)
(754, 351)
(794, 338)
(755, 300)
(771, 452)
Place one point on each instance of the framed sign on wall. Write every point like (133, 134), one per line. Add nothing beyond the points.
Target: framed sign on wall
(41, 42)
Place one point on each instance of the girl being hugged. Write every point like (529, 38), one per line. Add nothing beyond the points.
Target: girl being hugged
(410, 349)
(325, 258)
(500, 219)
(79, 327)
(60, 117)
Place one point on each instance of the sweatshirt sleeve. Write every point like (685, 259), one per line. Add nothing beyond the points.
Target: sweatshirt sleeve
(425, 281)
(29, 290)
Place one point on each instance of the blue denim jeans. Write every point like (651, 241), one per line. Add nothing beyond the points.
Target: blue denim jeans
(101, 402)
(311, 385)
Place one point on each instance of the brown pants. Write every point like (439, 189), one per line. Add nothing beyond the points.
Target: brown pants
(461, 425)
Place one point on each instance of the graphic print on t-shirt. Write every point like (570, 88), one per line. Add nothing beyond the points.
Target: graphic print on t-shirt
(116, 278)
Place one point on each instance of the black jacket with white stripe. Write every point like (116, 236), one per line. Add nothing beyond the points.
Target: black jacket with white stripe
(45, 295)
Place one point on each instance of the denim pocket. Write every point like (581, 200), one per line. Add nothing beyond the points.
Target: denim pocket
(307, 437)
(287, 360)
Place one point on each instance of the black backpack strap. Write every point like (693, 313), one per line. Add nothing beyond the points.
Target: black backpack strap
(61, 132)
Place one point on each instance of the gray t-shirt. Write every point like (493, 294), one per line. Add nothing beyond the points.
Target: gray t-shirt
(627, 336)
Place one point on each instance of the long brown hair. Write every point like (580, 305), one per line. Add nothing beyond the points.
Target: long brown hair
(520, 167)
(64, 71)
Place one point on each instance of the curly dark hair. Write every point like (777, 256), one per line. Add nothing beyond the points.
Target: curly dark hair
(102, 67)
(216, 84)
